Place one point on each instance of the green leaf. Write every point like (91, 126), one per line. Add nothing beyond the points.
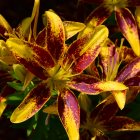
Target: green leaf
(17, 86)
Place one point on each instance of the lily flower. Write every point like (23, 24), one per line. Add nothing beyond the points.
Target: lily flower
(102, 120)
(110, 56)
(124, 18)
(7, 59)
(55, 63)
(111, 79)
(27, 31)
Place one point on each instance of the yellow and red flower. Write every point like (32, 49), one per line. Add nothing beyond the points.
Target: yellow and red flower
(124, 17)
(96, 124)
(56, 64)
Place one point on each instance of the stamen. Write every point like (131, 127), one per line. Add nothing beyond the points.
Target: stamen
(121, 45)
(9, 35)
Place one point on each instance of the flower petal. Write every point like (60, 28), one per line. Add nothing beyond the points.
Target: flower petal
(24, 28)
(2, 105)
(52, 109)
(34, 17)
(69, 113)
(86, 47)
(122, 123)
(89, 79)
(23, 75)
(42, 56)
(6, 55)
(20, 72)
(86, 59)
(33, 57)
(109, 57)
(28, 27)
(92, 70)
(4, 26)
(127, 54)
(134, 81)
(89, 40)
(55, 34)
(105, 110)
(3, 97)
(84, 102)
(128, 26)
(34, 68)
(97, 17)
(28, 78)
(98, 87)
(130, 70)
(133, 3)
(32, 103)
(132, 94)
(120, 97)
(72, 28)
(137, 15)
(41, 38)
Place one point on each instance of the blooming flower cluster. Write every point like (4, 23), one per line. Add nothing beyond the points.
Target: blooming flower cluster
(67, 72)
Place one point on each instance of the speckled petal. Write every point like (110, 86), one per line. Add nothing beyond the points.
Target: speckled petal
(41, 56)
(32, 103)
(97, 17)
(86, 59)
(109, 60)
(87, 46)
(133, 3)
(98, 87)
(89, 79)
(69, 113)
(33, 57)
(105, 110)
(122, 123)
(41, 38)
(128, 26)
(130, 70)
(89, 40)
(134, 81)
(127, 54)
(55, 34)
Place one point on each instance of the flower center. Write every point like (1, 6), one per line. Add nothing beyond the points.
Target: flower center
(112, 4)
(59, 76)
(95, 128)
